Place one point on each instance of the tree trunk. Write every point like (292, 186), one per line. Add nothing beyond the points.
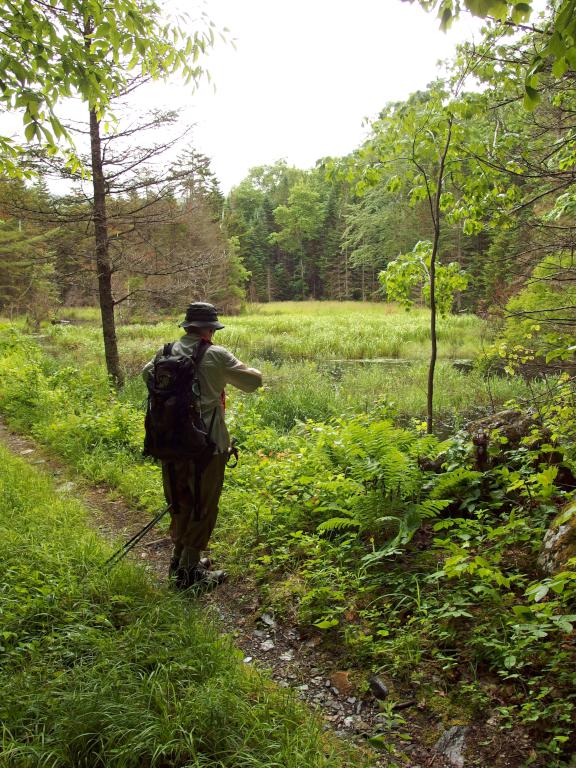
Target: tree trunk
(434, 341)
(103, 265)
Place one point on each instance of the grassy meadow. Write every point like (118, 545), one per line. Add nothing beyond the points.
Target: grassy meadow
(324, 359)
(336, 331)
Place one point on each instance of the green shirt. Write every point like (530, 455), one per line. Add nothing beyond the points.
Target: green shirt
(218, 368)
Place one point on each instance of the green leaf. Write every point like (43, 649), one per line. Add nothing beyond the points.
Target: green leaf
(326, 624)
(30, 131)
(560, 67)
(521, 12)
(564, 625)
(531, 98)
(538, 591)
(446, 19)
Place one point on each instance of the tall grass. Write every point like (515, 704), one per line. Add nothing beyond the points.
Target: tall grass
(307, 351)
(107, 669)
(299, 391)
(301, 331)
(348, 330)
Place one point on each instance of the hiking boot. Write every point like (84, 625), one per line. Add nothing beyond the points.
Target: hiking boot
(213, 578)
(184, 578)
(201, 579)
(209, 580)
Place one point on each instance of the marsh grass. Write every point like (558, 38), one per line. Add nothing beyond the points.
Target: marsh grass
(307, 352)
(108, 669)
(349, 331)
(298, 391)
(300, 331)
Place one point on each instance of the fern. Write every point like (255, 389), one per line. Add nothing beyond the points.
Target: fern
(432, 507)
(449, 483)
(337, 524)
(408, 523)
(407, 527)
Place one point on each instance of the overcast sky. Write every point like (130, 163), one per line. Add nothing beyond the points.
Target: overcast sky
(301, 79)
(305, 74)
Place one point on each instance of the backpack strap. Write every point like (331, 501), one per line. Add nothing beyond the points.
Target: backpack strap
(203, 345)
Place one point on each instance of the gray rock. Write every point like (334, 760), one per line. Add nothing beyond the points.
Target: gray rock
(267, 645)
(451, 744)
(378, 688)
(268, 619)
(362, 726)
(66, 487)
(559, 544)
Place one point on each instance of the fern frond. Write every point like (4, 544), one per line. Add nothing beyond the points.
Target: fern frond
(337, 524)
(448, 483)
(433, 507)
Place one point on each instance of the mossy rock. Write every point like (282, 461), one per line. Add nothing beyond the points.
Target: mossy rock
(559, 544)
(511, 424)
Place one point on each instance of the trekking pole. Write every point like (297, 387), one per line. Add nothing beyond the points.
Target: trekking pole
(121, 553)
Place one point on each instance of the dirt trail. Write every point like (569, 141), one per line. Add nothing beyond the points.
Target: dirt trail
(292, 658)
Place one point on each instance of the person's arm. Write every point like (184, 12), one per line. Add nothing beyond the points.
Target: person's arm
(240, 375)
(148, 368)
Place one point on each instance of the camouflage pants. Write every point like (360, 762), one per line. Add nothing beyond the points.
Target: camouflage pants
(178, 477)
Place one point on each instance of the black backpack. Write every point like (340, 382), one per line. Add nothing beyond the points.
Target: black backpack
(175, 429)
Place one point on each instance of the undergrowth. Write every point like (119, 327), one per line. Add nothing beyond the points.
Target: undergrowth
(107, 669)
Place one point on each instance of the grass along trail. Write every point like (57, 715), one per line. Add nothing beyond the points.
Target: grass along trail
(294, 660)
(116, 702)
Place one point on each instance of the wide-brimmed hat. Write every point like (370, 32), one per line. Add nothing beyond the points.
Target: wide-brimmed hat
(200, 314)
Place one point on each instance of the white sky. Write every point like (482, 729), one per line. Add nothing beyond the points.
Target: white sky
(306, 73)
(301, 79)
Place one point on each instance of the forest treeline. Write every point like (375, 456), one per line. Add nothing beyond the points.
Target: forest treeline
(507, 202)
(164, 235)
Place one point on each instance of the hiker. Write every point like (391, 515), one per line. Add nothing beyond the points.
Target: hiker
(191, 525)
